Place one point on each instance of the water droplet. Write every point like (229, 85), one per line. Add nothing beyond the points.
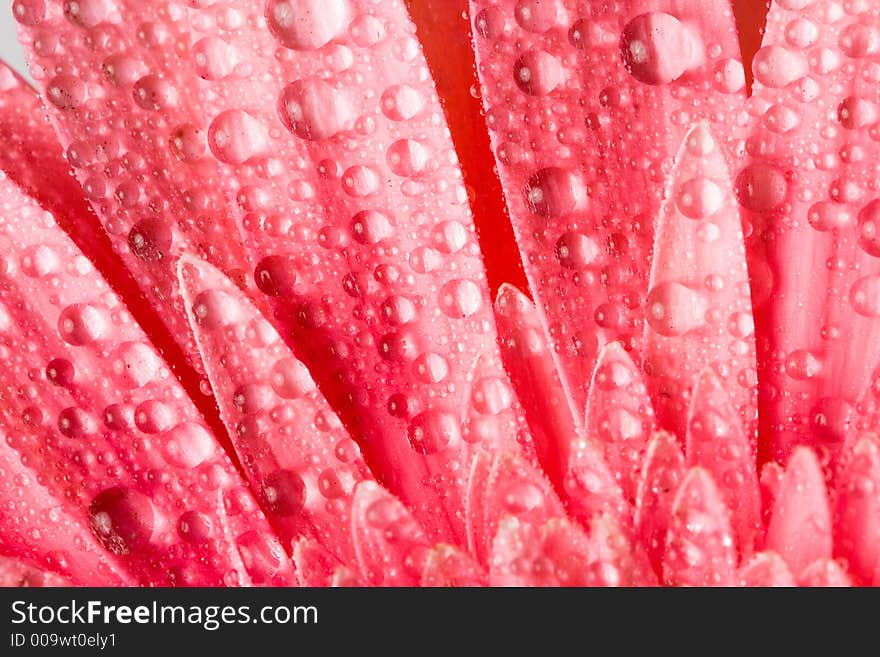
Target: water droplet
(360, 181)
(407, 157)
(491, 396)
(432, 431)
(214, 309)
(214, 59)
(135, 363)
(29, 12)
(657, 49)
(869, 228)
(777, 66)
(150, 239)
(122, 519)
(154, 93)
(402, 102)
(83, 323)
(802, 365)
(290, 379)
(75, 422)
(38, 261)
(431, 368)
(576, 251)
(554, 192)
(307, 24)
(315, 110)
(699, 198)
(66, 92)
(275, 275)
(283, 493)
(761, 187)
(460, 298)
(675, 309)
(865, 296)
(538, 16)
(371, 227)
(236, 137)
(187, 445)
(538, 73)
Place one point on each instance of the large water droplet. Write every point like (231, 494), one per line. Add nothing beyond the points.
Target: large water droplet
(657, 49)
(675, 309)
(307, 24)
(122, 519)
(314, 109)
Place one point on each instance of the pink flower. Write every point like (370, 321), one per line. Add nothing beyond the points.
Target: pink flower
(250, 341)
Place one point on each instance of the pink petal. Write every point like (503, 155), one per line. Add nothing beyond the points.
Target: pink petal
(771, 482)
(390, 545)
(516, 488)
(583, 138)
(698, 307)
(825, 573)
(765, 569)
(47, 532)
(591, 488)
(620, 415)
(301, 462)
(99, 419)
(33, 159)
(807, 189)
(700, 544)
(502, 485)
(800, 525)
(716, 441)
(351, 202)
(448, 566)
(534, 376)
(123, 102)
(555, 554)
(662, 473)
(14, 573)
(478, 536)
(315, 566)
(857, 511)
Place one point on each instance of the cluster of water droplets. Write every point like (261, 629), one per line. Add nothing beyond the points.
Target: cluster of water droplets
(94, 410)
(587, 104)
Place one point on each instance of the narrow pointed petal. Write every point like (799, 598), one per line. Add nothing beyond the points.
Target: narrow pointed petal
(391, 547)
(478, 538)
(301, 462)
(857, 511)
(765, 569)
(448, 566)
(122, 100)
(493, 415)
(578, 97)
(555, 554)
(502, 485)
(807, 187)
(591, 488)
(99, 417)
(516, 488)
(663, 471)
(800, 525)
(620, 415)
(771, 482)
(716, 441)
(33, 159)
(699, 307)
(315, 566)
(700, 543)
(535, 378)
(825, 573)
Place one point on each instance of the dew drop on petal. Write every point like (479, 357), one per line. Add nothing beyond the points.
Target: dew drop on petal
(675, 309)
(122, 519)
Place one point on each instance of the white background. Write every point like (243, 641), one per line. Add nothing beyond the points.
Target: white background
(10, 51)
